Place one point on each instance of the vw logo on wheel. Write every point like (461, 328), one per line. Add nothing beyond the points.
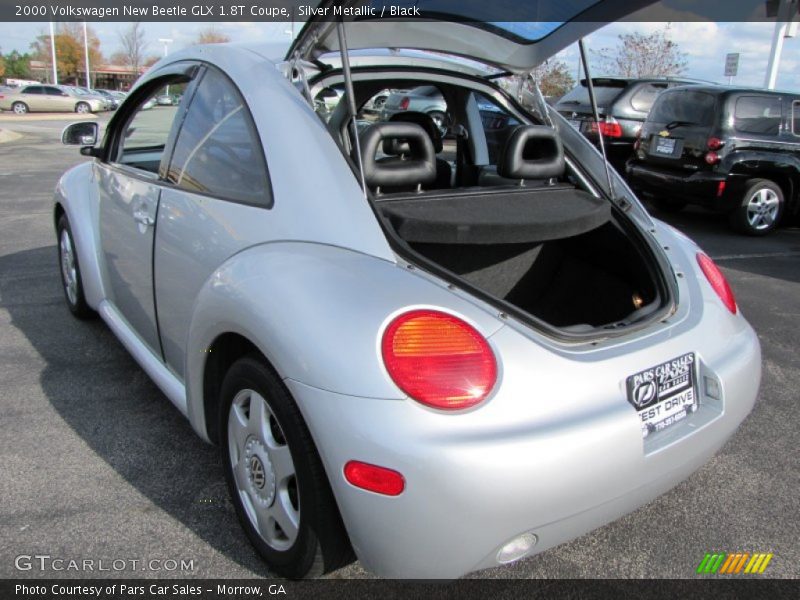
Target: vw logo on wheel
(257, 471)
(644, 393)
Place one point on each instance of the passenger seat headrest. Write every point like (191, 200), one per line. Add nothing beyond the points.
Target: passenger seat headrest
(417, 167)
(423, 120)
(531, 152)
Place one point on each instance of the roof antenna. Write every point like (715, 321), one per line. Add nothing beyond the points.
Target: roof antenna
(596, 115)
(351, 100)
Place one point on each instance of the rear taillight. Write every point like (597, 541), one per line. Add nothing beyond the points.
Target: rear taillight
(438, 359)
(712, 158)
(720, 189)
(714, 143)
(404, 102)
(717, 281)
(610, 128)
(374, 478)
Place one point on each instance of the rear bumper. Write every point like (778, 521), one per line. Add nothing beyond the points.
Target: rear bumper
(700, 187)
(474, 483)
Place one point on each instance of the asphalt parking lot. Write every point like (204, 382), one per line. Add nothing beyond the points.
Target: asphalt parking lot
(97, 464)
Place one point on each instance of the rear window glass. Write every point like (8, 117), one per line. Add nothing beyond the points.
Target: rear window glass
(686, 107)
(605, 93)
(757, 114)
(644, 98)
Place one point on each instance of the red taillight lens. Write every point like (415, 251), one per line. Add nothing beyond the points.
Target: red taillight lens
(714, 143)
(374, 478)
(438, 359)
(720, 189)
(609, 128)
(712, 158)
(717, 281)
(404, 102)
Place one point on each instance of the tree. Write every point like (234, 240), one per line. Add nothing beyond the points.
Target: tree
(17, 65)
(133, 46)
(69, 49)
(2, 65)
(643, 55)
(554, 78)
(210, 35)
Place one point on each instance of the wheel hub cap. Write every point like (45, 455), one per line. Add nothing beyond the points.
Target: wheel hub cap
(260, 472)
(762, 208)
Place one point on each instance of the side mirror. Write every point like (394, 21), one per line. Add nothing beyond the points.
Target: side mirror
(84, 133)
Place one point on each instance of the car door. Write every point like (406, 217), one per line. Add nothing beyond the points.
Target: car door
(129, 183)
(56, 99)
(33, 96)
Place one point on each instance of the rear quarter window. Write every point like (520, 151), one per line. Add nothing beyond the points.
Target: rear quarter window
(689, 107)
(759, 115)
(644, 97)
(796, 117)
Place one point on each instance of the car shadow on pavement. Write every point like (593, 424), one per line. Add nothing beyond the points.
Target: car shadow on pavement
(107, 399)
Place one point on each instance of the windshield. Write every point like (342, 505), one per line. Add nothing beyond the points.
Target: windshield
(684, 107)
(605, 91)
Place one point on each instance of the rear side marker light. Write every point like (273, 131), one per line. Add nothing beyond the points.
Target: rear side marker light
(717, 281)
(438, 359)
(720, 189)
(374, 478)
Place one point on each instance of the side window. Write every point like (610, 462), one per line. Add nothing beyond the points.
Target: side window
(53, 91)
(796, 117)
(497, 124)
(218, 151)
(146, 132)
(758, 115)
(643, 99)
(32, 89)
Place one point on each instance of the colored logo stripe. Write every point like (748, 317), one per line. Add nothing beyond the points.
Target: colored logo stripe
(732, 564)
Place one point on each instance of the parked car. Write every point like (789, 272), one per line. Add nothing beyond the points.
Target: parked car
(49, 98)
(165, 100)
(425, 99)
(622, 104)
(439, 380)
(87, 93)
(113, 99)
(730, 149)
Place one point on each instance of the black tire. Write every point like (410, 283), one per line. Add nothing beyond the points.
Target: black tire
(321, 543)
(20, 108)
(760, 208)
(668, 205)
(69, 268)
(83, 108)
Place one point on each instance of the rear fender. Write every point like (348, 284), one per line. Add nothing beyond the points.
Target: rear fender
(316, 312)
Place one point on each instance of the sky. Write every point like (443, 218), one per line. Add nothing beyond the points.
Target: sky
(705, 43)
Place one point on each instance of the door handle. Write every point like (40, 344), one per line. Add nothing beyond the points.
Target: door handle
(141, 216)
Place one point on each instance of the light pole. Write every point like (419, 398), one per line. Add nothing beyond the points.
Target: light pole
(86, 56)
(53, 52)
(785, 16)
(166, 42)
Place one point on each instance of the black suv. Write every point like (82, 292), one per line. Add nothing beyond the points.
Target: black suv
(622, 104)
(734, 150)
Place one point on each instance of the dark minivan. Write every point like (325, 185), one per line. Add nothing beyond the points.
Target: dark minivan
(733, 150)
(622, 105)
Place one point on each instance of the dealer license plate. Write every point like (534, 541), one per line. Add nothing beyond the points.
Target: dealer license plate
(664, 394)
(665, 145)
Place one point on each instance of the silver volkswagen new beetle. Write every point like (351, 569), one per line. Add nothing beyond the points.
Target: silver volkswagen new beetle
(435, 353)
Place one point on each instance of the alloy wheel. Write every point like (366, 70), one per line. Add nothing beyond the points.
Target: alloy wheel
(762, 208)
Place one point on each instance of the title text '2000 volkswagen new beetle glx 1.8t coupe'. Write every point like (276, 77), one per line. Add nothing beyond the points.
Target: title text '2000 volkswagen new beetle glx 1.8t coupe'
(435, 355)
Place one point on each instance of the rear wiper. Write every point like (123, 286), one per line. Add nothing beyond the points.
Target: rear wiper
(674, 124)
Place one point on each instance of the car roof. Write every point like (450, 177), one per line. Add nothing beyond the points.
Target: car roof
(731, 90)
